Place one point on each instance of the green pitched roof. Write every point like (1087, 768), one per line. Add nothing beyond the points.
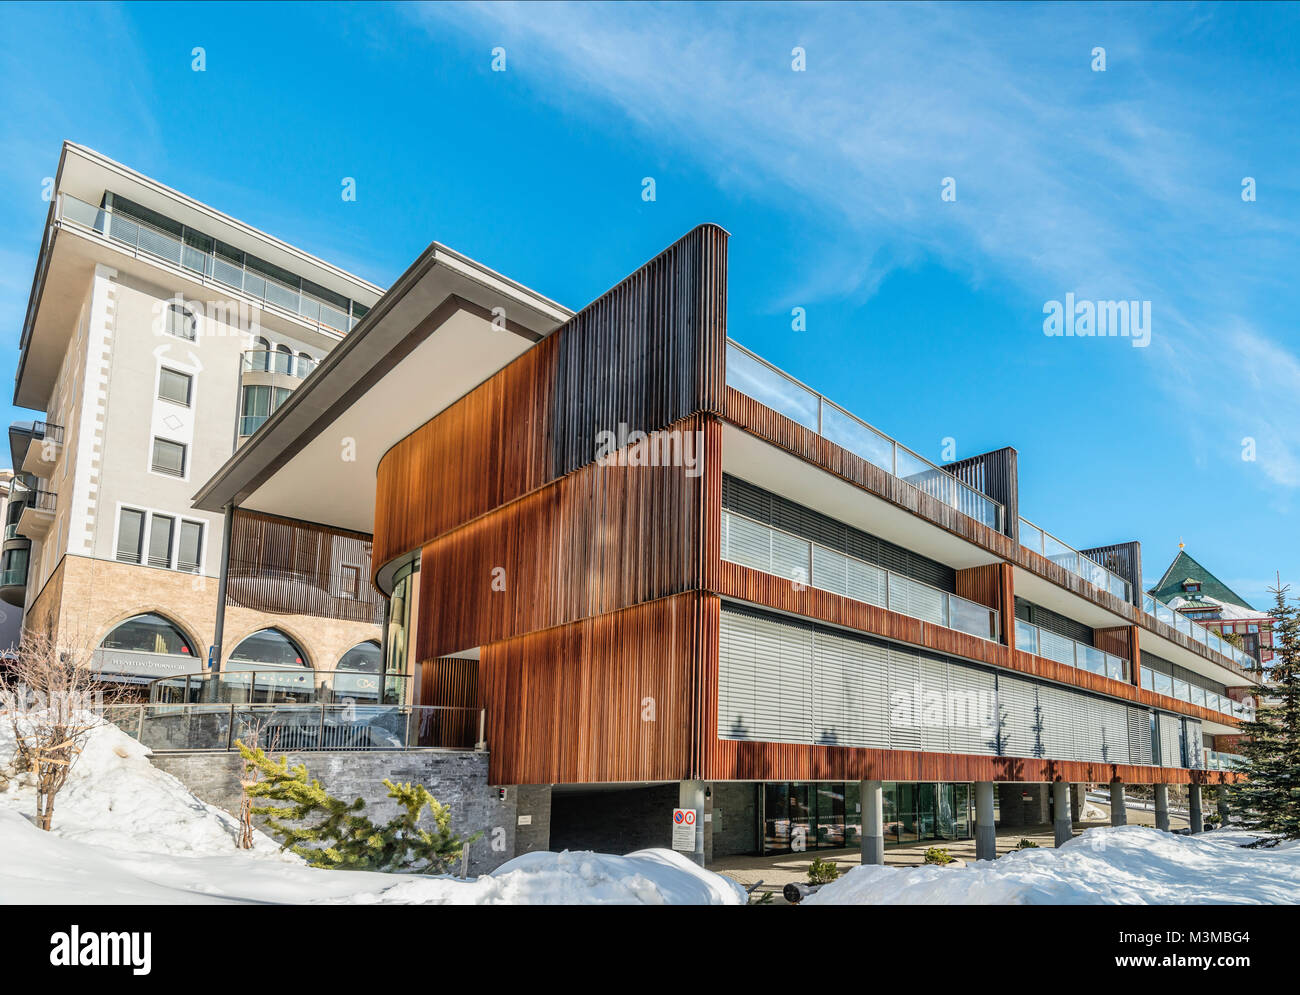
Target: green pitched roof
(1184, 567)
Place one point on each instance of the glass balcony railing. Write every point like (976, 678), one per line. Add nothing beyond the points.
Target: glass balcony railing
(759, 379)
(1052, 646)
(15, 576)
(276, 361)
(205, 262)
(1176, 687)
(1216, 760)
(761, 547)
(1161, 612)
(11, 530)
(1046, 544)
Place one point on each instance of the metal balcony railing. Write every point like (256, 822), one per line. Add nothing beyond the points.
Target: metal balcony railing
(755, 377)
(298, 727)
(1052, 646)
(752, 544)
(1046, 544)
(209, 267)
(277, 361)
(40, 499)
(1163, 613)
(47, 430)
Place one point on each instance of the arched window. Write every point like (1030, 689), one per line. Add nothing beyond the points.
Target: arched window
(363, 658)
(148, 633)
(181, 322)
(283, 359)
(269, 648)
(305, 364)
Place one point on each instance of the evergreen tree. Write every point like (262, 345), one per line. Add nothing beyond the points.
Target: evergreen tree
(1271, 796)
(329, 832)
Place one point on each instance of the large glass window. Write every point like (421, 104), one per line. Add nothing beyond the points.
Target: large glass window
(268, 648)
(149, 633)
(358, 673)
(363, 658)
(161, 528)
(257, 404)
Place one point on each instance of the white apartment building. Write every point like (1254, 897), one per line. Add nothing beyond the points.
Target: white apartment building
(161, 333)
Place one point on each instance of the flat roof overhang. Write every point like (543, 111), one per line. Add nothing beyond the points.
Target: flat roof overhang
(426, 343)
(774, 469)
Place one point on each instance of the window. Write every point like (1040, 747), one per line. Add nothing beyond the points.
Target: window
(148, 633)
(168, 457)
(364, 658)
(282, 359)
(257, 405)
(305, 364)
(181, 322)
(191, 548)
(174, 386)
(269, 648)
(161, 528)
(14, 566)
(130, 532)
(350, 581)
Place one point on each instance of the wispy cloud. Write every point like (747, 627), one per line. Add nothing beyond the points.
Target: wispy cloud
(1120, 184)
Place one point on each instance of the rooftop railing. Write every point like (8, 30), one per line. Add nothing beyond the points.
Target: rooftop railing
(1064, 555)
(277, 361)
(761, 547)
(755, 377)
(1163, 613)
(298, 727)
(1053, 646)
(142, 237)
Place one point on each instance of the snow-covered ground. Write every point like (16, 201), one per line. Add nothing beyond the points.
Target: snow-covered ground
(1129, 865)
(128, 833)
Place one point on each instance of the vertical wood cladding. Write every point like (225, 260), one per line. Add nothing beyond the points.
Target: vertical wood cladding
(285, 566)
(451, 684)
(598, 540)
(608, 698)
(646, 354)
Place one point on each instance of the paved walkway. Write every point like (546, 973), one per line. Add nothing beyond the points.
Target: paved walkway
(777, 871)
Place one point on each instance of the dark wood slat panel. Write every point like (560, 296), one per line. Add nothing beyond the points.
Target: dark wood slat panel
(288, 567)
(599, 539)
(608, 698)
(646, 354)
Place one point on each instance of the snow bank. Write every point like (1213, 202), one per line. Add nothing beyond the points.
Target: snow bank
(128, 833)
(1130, 865)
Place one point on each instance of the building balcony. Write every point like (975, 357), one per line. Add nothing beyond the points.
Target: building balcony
(1176, 687)
(1177, 620)
(752, 544)
(13, 586)
(43, 450)
(1048, 546)
(754, 377)
(1052, 646)
(267, 378)
(38, 513)
(210, 262)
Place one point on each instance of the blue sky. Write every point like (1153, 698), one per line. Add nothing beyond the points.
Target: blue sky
(924, 316)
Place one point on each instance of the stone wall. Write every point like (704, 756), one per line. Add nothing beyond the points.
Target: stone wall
(456, 778)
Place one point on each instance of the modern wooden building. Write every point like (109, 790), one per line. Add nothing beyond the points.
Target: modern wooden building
(673, 576)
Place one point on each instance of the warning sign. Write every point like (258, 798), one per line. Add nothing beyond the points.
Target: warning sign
(684, 829)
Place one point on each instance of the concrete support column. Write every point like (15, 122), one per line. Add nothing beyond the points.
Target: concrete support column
(1222, 804)
(690, 795)
(873, 822)
(986, 835)
(1162, 806)
(1194, 808)
(1118, 813)
(1061, 812)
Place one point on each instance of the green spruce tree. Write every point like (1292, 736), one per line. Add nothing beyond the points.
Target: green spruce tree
(1270, 799)
(329, 832)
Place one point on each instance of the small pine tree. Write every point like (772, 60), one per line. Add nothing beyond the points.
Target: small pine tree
(329, 832)
(1270, 798)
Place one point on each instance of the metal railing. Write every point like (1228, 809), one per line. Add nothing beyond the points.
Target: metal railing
(1064, 555)
(753, 544)
(47, 430)
(1161, 612)
(277, 685)
(40, 499)
(1194, 694)
(299, 727)
(276, 361)
(1216, 760)
(142, 237)
(757, 378)
(1053, 646)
